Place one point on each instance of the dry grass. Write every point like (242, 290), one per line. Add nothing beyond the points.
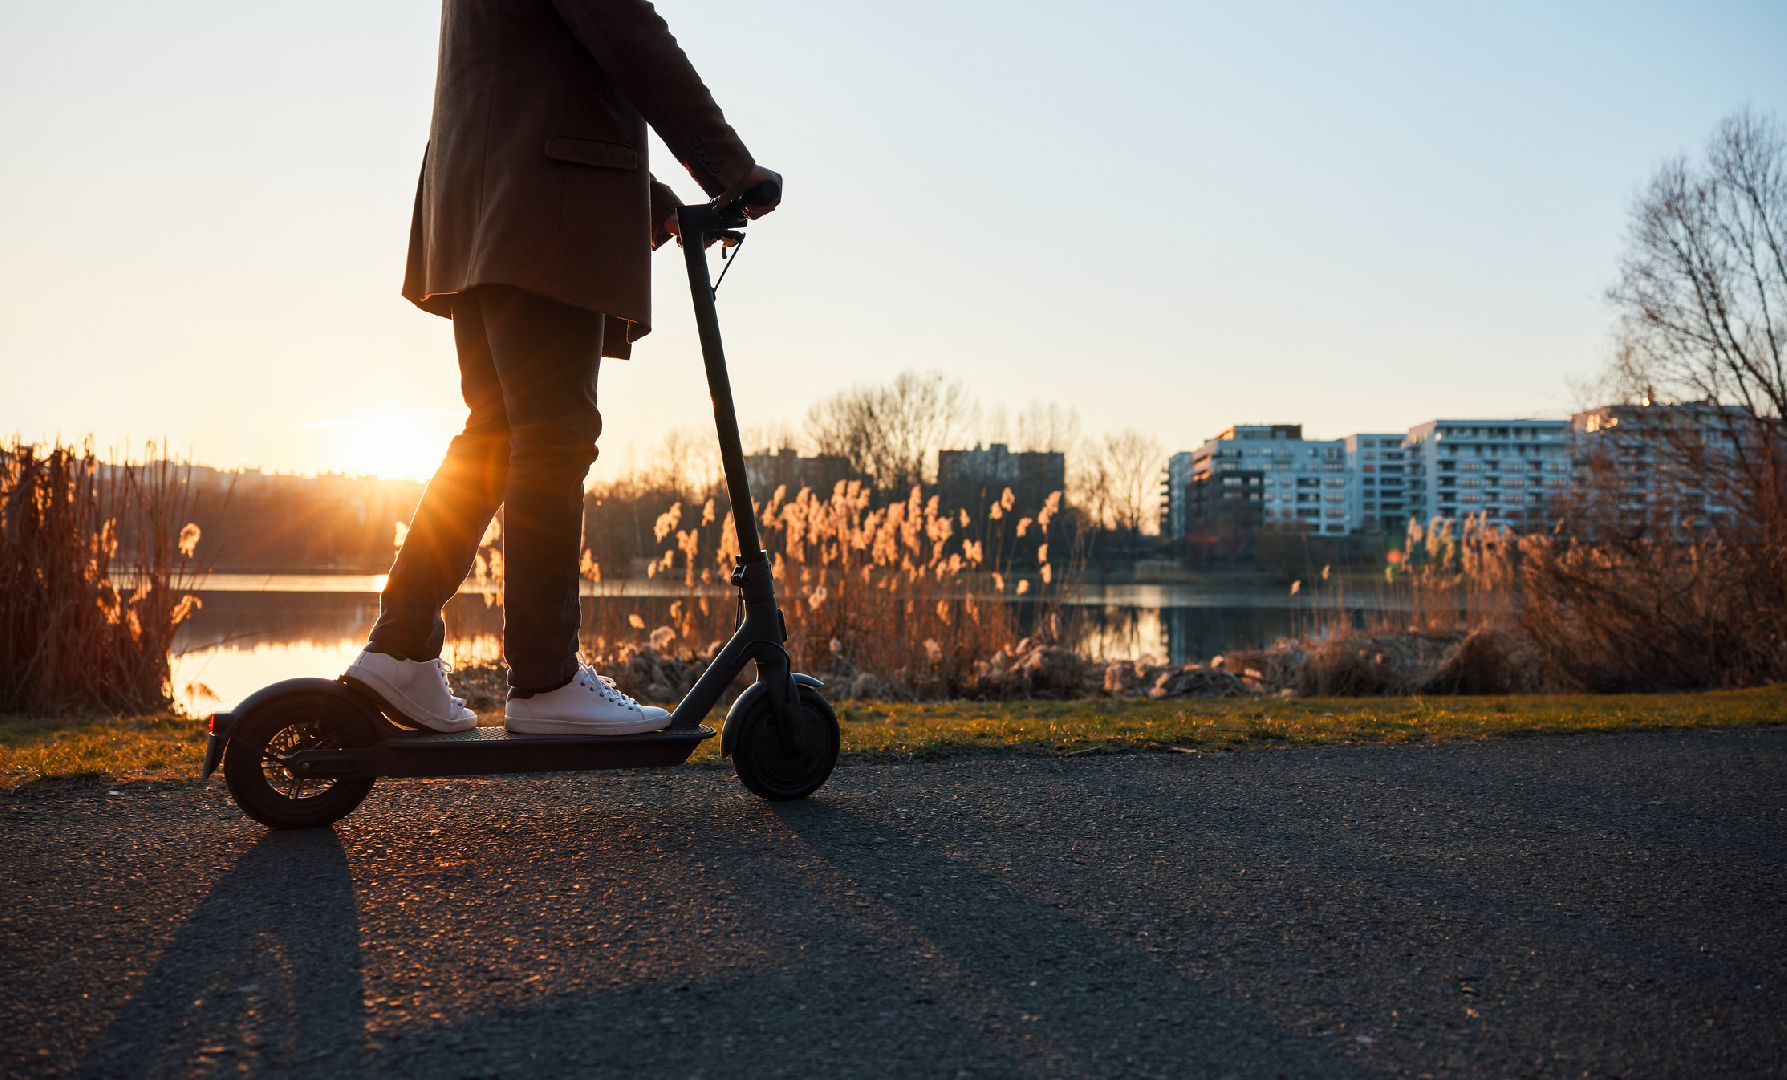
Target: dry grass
(36, 752)
(94, 563)
(908, 596)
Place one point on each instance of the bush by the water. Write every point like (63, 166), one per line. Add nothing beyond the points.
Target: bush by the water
(94, 564)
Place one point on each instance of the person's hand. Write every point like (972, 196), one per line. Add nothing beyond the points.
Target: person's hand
(756, 176)
(674, 228)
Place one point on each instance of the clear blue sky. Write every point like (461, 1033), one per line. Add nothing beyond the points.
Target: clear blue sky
(1177, 216)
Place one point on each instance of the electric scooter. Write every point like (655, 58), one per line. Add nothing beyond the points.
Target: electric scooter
(303, 753)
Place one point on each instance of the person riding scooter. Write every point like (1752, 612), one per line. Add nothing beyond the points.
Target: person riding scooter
(534, 223)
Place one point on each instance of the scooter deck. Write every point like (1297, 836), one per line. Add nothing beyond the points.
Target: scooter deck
(490, 750)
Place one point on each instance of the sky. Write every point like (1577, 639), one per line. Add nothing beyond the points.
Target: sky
(1168, 216)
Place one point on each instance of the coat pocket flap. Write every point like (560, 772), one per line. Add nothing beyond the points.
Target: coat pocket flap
(597, 152)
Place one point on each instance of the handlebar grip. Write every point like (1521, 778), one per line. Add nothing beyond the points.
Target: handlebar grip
(764, 194)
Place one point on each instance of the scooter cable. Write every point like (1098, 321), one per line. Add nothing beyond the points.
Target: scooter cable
(729, 260)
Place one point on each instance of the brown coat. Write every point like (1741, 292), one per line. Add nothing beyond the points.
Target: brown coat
(535, 174)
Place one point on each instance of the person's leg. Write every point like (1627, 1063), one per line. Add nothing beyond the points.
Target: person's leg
(547, 356)
(456, 506)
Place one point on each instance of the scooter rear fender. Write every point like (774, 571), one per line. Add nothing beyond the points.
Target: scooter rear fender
(742, 706)
(224, 724)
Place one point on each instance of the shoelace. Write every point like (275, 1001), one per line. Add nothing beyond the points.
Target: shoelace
(441, 666)
(605, 686)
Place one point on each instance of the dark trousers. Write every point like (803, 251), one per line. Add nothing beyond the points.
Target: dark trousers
(527, 369)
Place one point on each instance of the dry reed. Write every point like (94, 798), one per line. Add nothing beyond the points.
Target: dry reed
(907, 600)
(95, 563)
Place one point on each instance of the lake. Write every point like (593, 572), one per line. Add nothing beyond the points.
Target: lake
(257, 629)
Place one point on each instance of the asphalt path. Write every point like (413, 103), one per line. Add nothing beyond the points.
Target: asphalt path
(1585, 906)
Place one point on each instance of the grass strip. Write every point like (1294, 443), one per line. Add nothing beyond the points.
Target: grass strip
(113, 749)
(888, 732)
(36, 750)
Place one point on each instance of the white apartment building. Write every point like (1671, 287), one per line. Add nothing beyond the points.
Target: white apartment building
(1258, 474)
(1507, 470)
(1377, 482)
(1269, 475)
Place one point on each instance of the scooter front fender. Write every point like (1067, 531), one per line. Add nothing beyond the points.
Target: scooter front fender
(742, 706)
(224, 724)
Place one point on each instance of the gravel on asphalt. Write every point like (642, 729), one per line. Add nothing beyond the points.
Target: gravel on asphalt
(1583, 906)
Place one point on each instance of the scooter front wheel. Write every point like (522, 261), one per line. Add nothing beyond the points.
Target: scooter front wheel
(767, 769)
(272, 794)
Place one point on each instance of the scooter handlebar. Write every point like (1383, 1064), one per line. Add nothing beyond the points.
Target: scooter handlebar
(707, 220)
(764, 194)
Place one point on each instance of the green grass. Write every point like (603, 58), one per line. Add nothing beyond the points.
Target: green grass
(879, 731)
(34, 750)
(113, 749)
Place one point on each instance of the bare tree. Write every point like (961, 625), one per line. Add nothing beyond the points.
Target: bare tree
(769, 438)
(1670, 569)
(686, 462)
(1047, 427)
(1119, 484)
(891, 433)
(1702, 294)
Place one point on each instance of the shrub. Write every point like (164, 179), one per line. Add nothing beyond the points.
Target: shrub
(94, 564)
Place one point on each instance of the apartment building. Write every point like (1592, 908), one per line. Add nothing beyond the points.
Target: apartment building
(786, 468)
(1665, 461)
(1509, 471)
(974, 478)
(1377, 482)
(1270, 476)
(1257, 475)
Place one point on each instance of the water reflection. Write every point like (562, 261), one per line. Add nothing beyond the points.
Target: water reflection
(240, 641)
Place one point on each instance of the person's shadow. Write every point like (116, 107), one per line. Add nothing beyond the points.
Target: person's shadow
(1091, 997)
(264, 975)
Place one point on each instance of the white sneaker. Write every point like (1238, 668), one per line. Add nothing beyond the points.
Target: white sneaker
(416, 690)
(589, 704)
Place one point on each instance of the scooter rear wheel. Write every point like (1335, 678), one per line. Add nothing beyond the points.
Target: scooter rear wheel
(273, 795)
(769, 771)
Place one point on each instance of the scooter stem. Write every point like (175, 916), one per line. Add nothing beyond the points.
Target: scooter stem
(696, 223)
(761, 634)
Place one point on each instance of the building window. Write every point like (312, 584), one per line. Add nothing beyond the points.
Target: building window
(1471, 497)
(1513, 482)
(1471, 481)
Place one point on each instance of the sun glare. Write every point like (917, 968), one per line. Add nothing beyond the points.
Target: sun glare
(392, 447)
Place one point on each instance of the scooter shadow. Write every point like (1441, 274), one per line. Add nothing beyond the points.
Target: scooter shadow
(264, 976)
(1036, 977)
